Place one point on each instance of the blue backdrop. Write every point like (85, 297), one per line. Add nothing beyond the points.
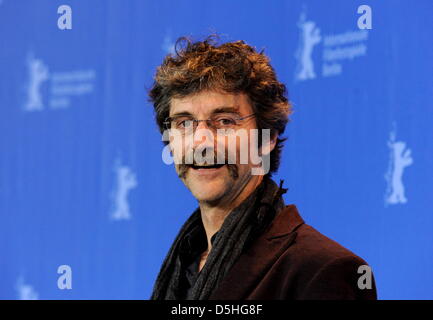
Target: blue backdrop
(82, 181)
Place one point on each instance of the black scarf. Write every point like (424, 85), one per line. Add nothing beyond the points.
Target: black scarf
(241, 227)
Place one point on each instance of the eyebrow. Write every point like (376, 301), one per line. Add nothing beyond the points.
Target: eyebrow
(222, 109)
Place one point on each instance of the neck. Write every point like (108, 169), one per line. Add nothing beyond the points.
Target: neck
(213, 216)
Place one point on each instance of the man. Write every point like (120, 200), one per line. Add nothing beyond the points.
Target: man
(242, 242)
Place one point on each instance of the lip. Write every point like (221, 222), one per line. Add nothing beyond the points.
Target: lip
(207, 172)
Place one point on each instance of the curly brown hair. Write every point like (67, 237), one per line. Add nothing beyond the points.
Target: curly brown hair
(232, 67)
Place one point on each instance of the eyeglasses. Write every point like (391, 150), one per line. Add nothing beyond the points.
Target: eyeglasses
(187, 124)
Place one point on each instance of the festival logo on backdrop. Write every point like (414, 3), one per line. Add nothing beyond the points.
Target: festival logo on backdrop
(38, 74)
(126, 181)
(25, 291)
(337, 50)
(63, 86)
(309, 37)
(399, 158)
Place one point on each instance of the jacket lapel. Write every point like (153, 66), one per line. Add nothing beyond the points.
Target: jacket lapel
(256, 261)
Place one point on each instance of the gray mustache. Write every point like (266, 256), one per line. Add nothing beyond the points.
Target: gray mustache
(183, 167)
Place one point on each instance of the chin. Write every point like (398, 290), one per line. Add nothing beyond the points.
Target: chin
(208, 191)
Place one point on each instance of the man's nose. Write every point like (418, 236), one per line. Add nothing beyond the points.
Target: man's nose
(203, 135)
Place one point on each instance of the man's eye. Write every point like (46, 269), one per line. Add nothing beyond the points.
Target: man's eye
(184, 123)
(226, 121)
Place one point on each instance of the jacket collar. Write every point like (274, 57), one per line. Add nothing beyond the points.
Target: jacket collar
(260, 256)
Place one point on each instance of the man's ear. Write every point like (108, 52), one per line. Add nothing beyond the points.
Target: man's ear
(273, 143)
(267, 148)
(269, 142)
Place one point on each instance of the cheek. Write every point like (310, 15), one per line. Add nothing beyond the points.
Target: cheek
(221, 147)
(178, 147)
(176, 151)
(235, 149)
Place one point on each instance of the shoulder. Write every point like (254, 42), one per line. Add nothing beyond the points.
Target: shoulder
(322, 268)
(315, 247)
(310, 245)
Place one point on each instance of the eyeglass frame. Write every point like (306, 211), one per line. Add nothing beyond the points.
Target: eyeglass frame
(197, 121)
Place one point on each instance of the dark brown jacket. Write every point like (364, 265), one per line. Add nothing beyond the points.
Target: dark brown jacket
(292, 260)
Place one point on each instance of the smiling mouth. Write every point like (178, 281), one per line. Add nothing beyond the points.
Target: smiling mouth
(205, 167)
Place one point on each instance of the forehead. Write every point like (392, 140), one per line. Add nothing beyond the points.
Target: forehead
(204, 103)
